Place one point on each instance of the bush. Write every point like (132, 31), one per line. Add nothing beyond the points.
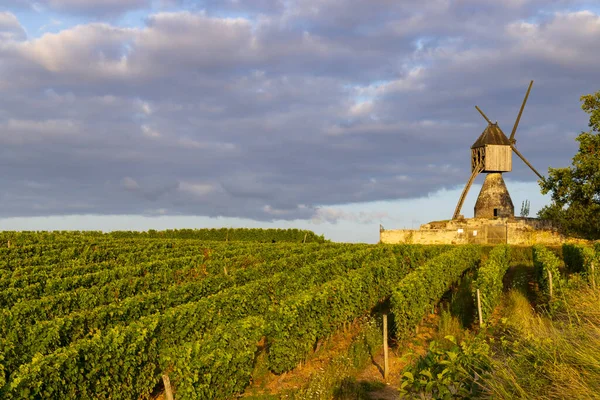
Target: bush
(217, 367)
(583, 259)
(545, 263)
(423, 288)
(489, 279)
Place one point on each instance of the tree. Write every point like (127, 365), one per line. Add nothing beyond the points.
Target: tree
(575, 190)
(525, 209)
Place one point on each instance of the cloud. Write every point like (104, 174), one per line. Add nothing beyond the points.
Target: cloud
(97, 8)
(334, 215)
(23, 132)
(285, 111)
(10, 28)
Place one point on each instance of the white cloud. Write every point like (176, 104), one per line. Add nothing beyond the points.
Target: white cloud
(93, 51)
(333, 215)
(150, 132)
(197, 189)
(130, 184)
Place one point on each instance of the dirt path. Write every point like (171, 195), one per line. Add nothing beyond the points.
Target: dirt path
(400, 354)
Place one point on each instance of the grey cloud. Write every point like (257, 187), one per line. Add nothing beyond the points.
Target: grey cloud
(10, 28)
(94, 8)
(288, 114)
(252, 6)
(334, 215)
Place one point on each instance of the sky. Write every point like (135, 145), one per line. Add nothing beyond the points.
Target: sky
(330, 115)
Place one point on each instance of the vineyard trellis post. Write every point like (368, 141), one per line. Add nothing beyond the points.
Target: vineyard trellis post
(479, 308)
(167, 383)
(386, 367)
(593, 275)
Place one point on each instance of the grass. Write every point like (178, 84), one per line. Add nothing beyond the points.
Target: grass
(549, 357)
(533, 351)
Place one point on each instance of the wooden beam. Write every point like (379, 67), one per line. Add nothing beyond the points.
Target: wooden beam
(512, 135)
(476, 172)
(525, 161)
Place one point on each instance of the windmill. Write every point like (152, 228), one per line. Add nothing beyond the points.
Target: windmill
(492, 154)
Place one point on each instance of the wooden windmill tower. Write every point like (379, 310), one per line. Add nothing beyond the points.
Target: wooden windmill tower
(492, 153)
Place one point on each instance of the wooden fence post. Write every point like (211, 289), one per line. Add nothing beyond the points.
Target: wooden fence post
(167, 383)
(9, 244)
(479, 308)
(550, 281)
(306, 234)
(386, 367)
(593, 276)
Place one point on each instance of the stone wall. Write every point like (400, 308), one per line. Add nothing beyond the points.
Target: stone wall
(413, 236)
(517, 231)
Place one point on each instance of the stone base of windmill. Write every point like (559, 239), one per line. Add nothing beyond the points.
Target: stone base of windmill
(498, 230)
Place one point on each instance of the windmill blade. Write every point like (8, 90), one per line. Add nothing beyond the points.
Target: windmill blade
(512, 135)
(476, 172)
(483, 115)
(525, 160)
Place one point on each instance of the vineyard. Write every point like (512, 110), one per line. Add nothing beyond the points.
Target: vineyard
(92, 315)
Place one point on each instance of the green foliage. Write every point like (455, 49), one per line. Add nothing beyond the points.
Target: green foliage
(218, 366)
(119, 364)
(2, 356)
(298, 322)
(333, 381)
(93, 315)
(521, 255)
(448, 370)
(489, 279)
(212, 234)
(583, 259)
(228, 234)
(575, 190)
(169, 327)
(186, 307)
(546, 264)
(423, 288)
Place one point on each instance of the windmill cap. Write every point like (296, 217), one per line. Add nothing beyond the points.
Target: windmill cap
(491, 135)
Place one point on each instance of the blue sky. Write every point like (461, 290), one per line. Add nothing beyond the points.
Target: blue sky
(320, 114)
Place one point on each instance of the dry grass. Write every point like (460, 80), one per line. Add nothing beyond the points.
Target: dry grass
(549, 358)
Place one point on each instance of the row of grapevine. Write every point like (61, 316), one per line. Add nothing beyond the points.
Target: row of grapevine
(291, 328)
(187, 303)
(220, 234)
(209, 335)
(38, 273)
(170, 276)
(135, 250)
(423, 288)
(489, 279)
(11, 296)
(218, 366)
(546, 269)
(300, 321)
(229, 234)
(105, 273)
(44, 283)
(583, 259)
